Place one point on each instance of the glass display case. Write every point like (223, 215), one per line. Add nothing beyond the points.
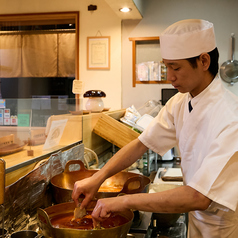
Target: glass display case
(32, 129)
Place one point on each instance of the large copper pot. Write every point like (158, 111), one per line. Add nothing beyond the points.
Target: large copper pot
(122, 182)
(48, 214)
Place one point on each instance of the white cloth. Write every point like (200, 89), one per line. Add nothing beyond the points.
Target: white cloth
(208, 142)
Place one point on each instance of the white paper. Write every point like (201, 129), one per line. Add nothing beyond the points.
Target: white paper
(77, 86)
(55, 134)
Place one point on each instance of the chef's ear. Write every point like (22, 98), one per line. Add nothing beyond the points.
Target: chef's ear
(205, 61)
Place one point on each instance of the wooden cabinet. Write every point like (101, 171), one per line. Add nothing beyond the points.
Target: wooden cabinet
(146, 49)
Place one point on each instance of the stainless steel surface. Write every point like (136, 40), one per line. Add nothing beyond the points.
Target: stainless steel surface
(145, 222)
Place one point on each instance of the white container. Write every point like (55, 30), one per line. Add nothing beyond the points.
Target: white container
(95, 104)
(168, 155)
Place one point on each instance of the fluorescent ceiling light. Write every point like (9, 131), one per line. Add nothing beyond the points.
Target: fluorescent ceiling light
(125, 9)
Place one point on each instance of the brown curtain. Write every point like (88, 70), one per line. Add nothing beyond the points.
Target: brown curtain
(37, 55)
(66, 55)
(10, 56)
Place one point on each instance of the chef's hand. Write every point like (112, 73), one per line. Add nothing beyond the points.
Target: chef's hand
(86, 187)
(106, 206)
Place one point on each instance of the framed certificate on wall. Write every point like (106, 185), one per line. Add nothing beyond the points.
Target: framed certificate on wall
(98, 52)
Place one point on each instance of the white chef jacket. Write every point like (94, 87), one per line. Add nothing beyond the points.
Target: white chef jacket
(207, 138)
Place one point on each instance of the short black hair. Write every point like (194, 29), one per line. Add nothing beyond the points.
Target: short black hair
(214, 65)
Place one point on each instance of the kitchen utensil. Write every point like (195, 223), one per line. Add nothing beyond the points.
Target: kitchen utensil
(2, 191)
(229, 69)
(163, 172)
(122, 182)
(47, 216)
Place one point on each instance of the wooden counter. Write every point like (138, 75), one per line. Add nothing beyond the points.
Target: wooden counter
(78, 128)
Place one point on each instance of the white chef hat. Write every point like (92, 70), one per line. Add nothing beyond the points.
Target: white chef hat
(187, 38)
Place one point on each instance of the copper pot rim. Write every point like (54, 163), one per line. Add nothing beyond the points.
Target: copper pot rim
(127, 214)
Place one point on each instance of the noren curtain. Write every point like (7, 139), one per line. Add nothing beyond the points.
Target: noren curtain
(37, 55)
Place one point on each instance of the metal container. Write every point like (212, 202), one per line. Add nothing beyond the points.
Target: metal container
(63, 184)
(24, 234)
(45, 216)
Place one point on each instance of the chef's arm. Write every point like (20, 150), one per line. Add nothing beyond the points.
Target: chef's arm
(121, 160)
(178, 200)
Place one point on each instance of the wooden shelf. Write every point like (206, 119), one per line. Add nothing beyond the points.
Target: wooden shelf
(114, 131)
(139, 41)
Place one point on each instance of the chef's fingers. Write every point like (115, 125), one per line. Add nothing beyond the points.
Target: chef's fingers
(96, 215)
(101, 212)
(85, 201)
(96, 223)
(75, 195)
(77, 192)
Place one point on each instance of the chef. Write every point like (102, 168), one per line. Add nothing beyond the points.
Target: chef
(202, 119)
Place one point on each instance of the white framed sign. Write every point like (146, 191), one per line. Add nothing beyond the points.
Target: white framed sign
(98, 52)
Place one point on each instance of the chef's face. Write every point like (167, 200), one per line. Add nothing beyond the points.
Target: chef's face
(184, 77)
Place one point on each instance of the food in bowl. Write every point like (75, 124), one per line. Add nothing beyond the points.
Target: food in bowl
(86, 222)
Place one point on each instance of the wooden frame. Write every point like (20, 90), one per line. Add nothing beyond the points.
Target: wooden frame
(134, 41)
(48, 18)
(98, 52)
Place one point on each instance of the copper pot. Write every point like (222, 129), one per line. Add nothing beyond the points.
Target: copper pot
(122, 182)
(49, 214)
